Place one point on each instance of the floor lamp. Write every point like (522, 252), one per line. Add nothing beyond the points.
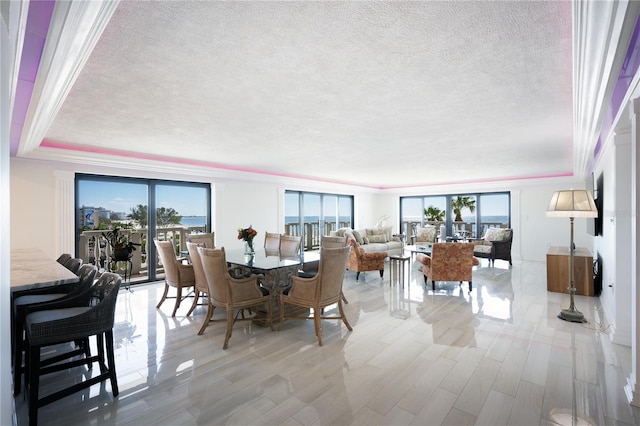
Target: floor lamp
(572, 203)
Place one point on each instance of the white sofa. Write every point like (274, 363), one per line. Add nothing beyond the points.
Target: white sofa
(373, 239)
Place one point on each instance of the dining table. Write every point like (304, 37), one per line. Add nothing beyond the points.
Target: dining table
(277, 272)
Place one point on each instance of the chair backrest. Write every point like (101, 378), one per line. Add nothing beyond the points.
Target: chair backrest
(290, 245)
(333, 242)
(333, 263)
(271, 242)
(64, 257)
(167, 254)
(204, 239)
(452, 261)
(214, 264)
(105, 291)
(198, 270)
(73, 264)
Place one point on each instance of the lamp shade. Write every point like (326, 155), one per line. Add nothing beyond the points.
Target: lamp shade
(572, 203)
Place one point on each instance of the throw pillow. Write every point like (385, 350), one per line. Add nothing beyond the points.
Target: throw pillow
(427, 234)
(358, 237)
(377, 238)
(365, 239)
(349, 234)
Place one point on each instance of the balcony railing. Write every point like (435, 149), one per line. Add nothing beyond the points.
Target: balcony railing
(312, 231)
(93, 247)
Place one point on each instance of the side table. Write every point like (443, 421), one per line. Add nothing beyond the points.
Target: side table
(397, 265)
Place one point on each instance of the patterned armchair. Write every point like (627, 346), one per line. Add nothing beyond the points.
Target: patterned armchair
(361, 261)
(426, 235)
(449, 262)
(496, 244)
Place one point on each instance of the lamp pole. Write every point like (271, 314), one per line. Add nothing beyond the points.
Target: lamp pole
(571, 314)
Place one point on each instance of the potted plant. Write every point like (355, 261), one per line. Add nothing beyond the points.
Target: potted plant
(121, 247)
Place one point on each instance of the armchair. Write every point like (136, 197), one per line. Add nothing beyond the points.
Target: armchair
(496, 244)
(424, 236)
(448, 262)
(361, 261)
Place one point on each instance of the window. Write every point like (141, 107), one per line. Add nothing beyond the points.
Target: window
(459, 213)
(106, 202)
(311, 215)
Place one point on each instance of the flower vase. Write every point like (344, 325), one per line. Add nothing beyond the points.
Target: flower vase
(248, 248)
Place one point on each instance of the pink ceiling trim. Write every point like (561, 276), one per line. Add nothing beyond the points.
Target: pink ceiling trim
(207, 164)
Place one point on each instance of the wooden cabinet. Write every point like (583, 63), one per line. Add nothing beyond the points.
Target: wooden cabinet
(558, 261)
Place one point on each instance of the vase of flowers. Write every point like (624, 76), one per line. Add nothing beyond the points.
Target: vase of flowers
(247, 235)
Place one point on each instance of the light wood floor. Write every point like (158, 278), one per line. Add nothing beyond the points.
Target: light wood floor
(497, 356)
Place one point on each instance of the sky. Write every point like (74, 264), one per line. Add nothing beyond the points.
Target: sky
(121, 197)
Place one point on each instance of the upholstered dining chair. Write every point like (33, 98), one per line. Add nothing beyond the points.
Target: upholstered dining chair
(201, 287)
(333, 242)
(290, 245)
(272, 243)
(62, 259)
(73, 264)
(203, 239)
(86, 277)
(71, 320)
(176, 274)
(448, 262)
(320, 291)
(231, 294)
(361, 261)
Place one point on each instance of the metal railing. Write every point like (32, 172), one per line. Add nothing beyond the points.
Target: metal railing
(312, 231)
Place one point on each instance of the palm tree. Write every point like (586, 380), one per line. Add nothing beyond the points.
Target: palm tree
(434, 214)
(460, 203)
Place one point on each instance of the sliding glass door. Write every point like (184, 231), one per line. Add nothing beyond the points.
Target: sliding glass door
(104, 203)
(311, 215)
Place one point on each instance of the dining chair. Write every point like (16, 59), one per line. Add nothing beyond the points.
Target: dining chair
(204, 239)
(73, 264)
(448, 262)
(86, 274)
(231, 294)
(290, 245)
(272, 244)
(320, 291)
(176, 274)
(326, 242)
(201, 286)
(71, 320)
(62, 259)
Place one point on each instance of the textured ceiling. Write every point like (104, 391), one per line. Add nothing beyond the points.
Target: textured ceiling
(370, 93)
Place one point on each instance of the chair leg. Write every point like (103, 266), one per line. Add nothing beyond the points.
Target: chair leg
(433, 285)
(318, 326)
(470, 287)
(227, 335)
(164, 295)
(112, 363)
(196, 298)
(381, 272)
(100, 343)
(344, 299)
(270, 313)
(357, 275)
(344, 318)
(178, 300)
(34, 384)
(281, 313)
(207, 318)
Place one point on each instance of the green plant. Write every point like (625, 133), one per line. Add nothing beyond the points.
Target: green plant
(434, 214)
(460, 203)
(118, 240)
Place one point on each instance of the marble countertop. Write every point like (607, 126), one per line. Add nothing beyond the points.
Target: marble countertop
(31, 268)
